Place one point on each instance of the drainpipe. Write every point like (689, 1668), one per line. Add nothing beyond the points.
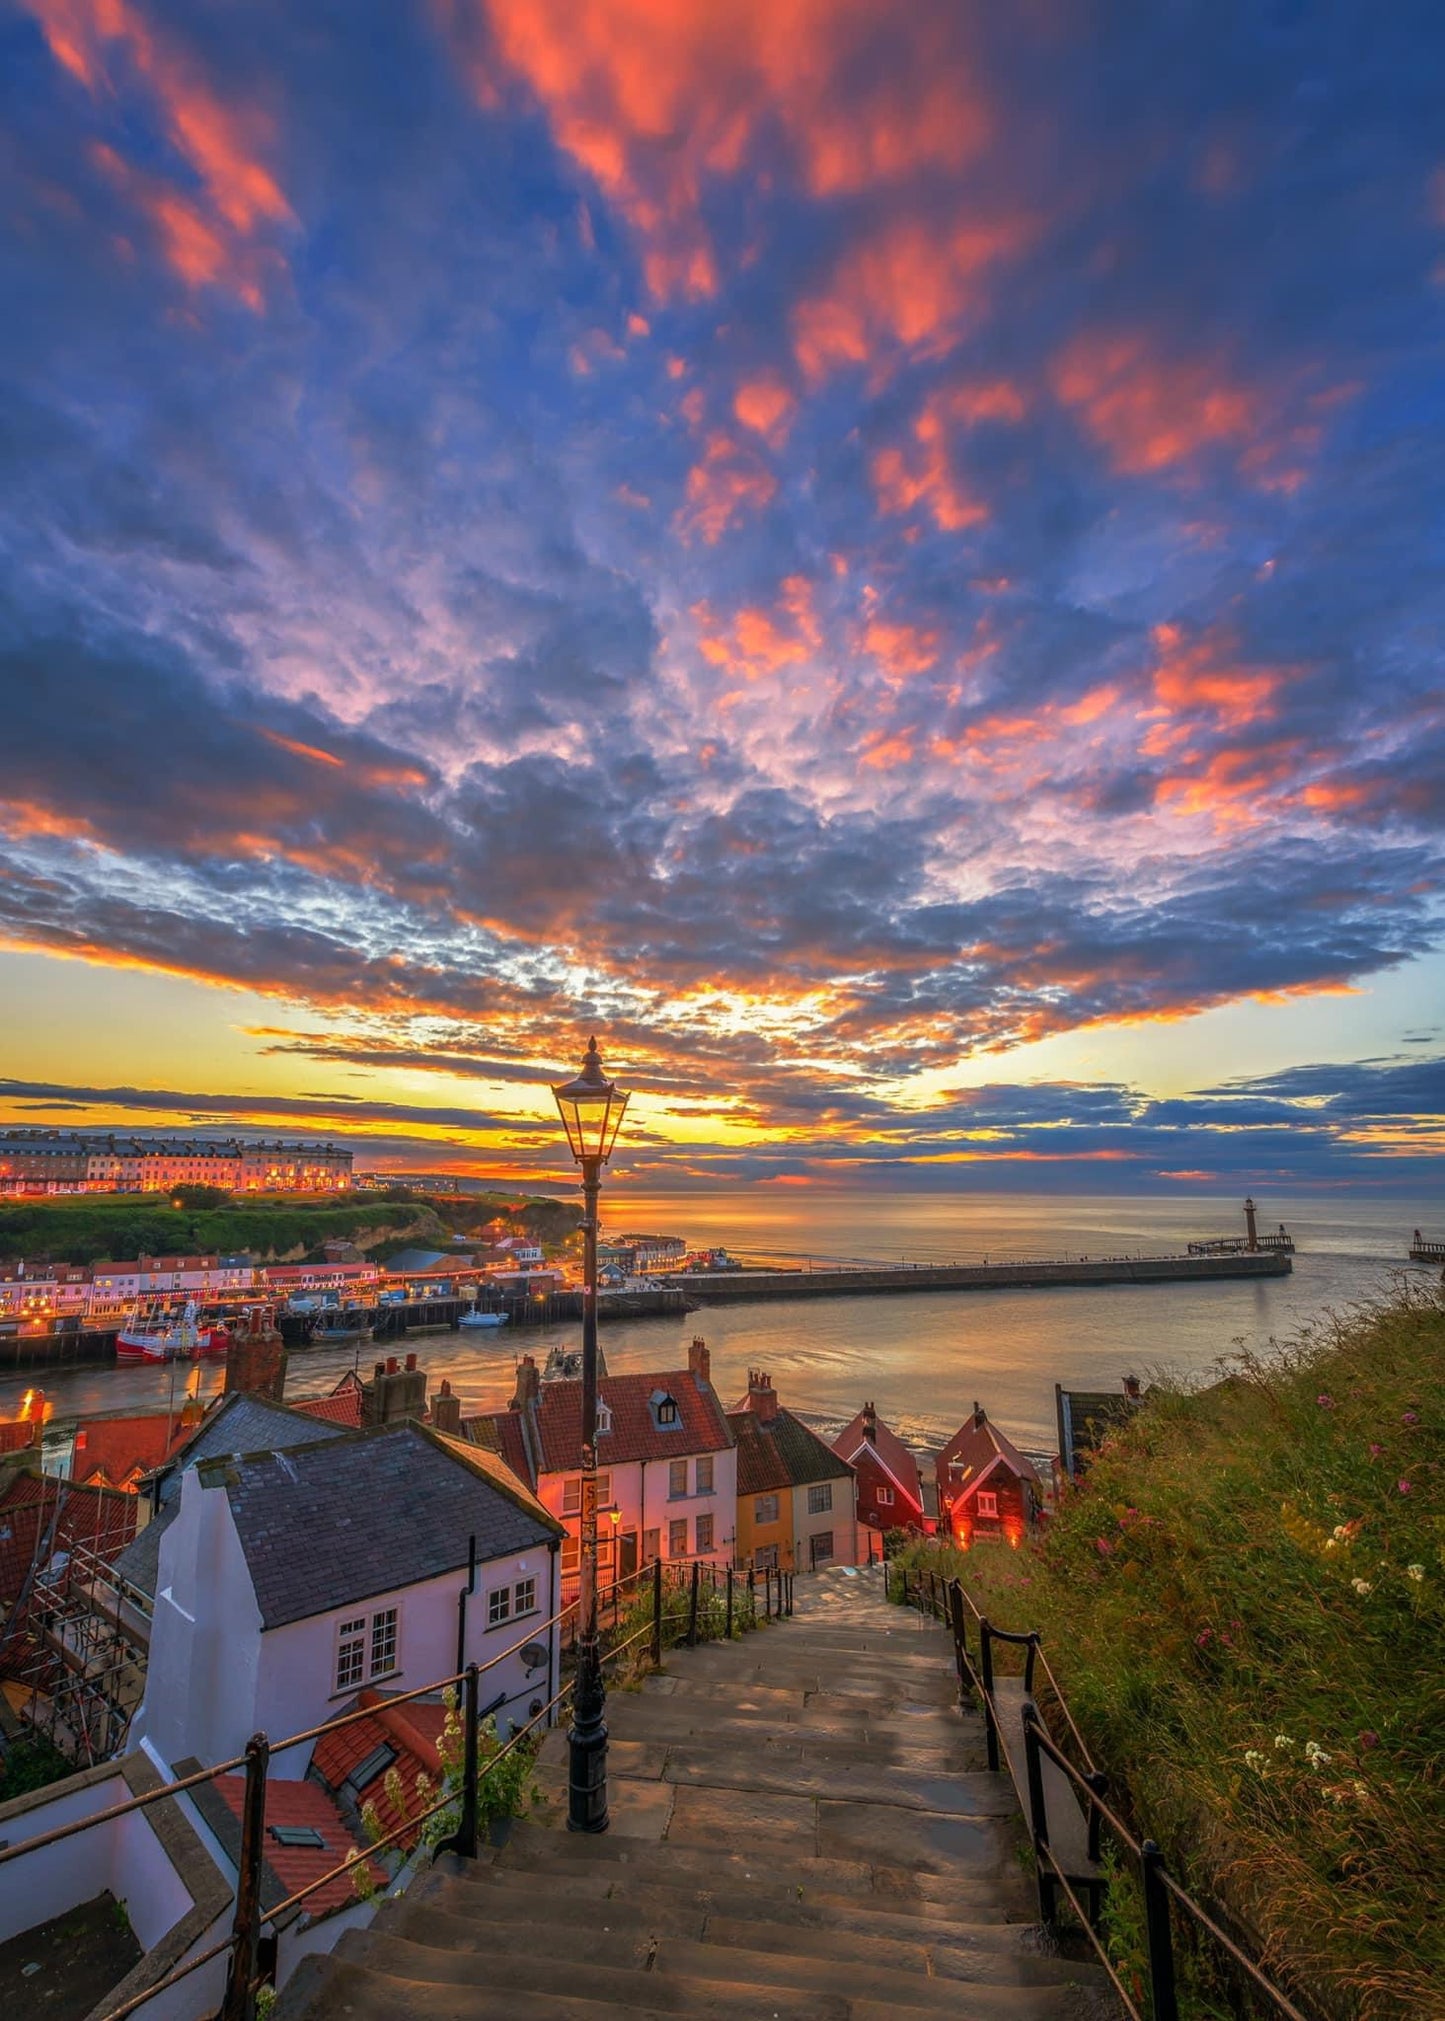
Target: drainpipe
(554, 1633)
(469, 1588)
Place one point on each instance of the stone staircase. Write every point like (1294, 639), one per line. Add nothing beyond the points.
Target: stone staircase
(802, 1830)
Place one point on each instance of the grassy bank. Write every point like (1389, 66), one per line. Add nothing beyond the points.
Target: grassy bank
(84, 1228)
(1244, 1606)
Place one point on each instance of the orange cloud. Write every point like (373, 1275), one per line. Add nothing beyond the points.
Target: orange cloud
(924, 474)
(204, 233)
(652, 98)
(726, 483)
(1152, 413)
(909, 286)
(766, 406)
(1202, 675)
(761, 642)
(900, 649)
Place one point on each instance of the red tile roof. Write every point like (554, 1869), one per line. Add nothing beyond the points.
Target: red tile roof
(342, 1407)
(18, 1433)
(501, 1432)
(409, 1732)
(780, 1452)
(970, 1452)
(890, 1450)
(102, 1519)
(635, 1433)
(303, 1803)
(115, 1452)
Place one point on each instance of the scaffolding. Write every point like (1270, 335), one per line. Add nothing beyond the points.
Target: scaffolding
(74, 1646)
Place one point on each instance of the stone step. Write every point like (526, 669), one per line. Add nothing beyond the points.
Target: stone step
(951, 1747)
(666, 1936)
(766, 1918)
(836, 1776)
(538, 1848)
(690, 1977)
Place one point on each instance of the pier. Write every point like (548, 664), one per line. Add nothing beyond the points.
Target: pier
(738, 1287)
(1423, 1250)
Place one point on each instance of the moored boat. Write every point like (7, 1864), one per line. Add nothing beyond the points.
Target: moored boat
(161, 1336)
(471, 1317)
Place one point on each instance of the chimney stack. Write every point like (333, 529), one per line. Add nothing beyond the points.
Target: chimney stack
(256, 1358)
(980, 1415)
(446, 1411)
(699, 1361)
(870, 1424)
(528, 1384)
(762, 1397)
(394, 1393)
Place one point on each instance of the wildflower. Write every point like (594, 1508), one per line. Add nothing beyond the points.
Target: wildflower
(1375, 1451)
(1332, 1543)
(1103, 1546)
(1325, 1400)
(1255, 1760)
(1362, 1587)
(1404, 1487)
(1410, 1417)
(1315, 1755)
(1204, 1636)
(1361, 1789)
(1283, 1742)
(1368, 1739)
(1340, 1533)
(1415, 1572)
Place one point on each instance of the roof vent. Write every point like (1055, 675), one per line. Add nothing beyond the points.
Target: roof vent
(298, 1835)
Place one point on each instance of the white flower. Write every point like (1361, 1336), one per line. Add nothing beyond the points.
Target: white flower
(1315, 1755)
(1340, 1533)
(1283, 1742)
(1254, 1759)
(1362, 1790)
(1415, 1572)
(1362, 1587)
(1332, 1543)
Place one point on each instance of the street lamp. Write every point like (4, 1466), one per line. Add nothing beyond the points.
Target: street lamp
(591, 1108)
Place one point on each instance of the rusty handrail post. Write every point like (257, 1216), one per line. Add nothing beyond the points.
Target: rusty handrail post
(960, 1638)
(463, 1841)
(985, 1664)
(790, 1596)
(730, 1605)
(657, 1613)
(1038, 1813)
(239, 2003)
(752, 1598)
(1163, 1993)
(692, 1606)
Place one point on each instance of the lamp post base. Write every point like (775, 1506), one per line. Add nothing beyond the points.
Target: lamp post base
(587, 1750)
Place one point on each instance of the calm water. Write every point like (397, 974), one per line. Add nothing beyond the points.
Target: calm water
(923, 1359)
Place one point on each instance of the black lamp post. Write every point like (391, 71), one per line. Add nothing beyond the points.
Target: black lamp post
(591, 1108)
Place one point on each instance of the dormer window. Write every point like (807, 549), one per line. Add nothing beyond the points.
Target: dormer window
(604, 1419)
(665, 1412)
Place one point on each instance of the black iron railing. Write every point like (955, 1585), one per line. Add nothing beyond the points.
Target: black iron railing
(947, 1600)
(660, 1604)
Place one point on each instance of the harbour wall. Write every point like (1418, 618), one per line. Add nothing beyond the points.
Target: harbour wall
(738, 1287)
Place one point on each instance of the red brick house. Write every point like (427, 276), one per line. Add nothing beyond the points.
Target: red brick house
(986, 1487)
(890, 1493)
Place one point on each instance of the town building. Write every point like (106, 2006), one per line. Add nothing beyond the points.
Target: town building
(34, 1296)
(120, 1452)
(889, 1490)
(115, 1286)
(287, 1581)
(986, 1486)
(667, 1480)
(795, 1494)
(1086, 1417)
(56, 1161)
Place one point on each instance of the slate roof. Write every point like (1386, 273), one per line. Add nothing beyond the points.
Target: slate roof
(780, 1452)
(501, 1432)
(238, 1424)
(890, 1449)
(373, 1512)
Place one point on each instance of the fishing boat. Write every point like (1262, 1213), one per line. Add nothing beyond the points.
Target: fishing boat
(161, 1336)
(472, 1317)
(339, 1325)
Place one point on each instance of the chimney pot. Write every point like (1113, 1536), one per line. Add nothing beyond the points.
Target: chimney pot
(411, 1364)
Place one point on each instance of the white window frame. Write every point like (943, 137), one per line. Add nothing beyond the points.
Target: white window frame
(986, 1504)
(499, 1606)
(524, 1598)
(703, 1549)
(392, 1617)
(352, 1637)
(704, 1476)
(820, 1498)
(678, 1523)
(760, 1501)
(677, 1471)
(883, 1496)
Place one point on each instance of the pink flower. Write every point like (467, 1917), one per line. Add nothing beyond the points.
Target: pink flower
(1325, 1401)
(1103, 1546)
(1368, 1739)
(1375, 1452)
(1410, 1417)
(1205, 1635)
(1404, 1487)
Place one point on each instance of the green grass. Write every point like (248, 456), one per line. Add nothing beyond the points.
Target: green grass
(1245, 1605)
(85, 1228)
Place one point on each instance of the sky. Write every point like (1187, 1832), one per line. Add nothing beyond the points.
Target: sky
(886, 560)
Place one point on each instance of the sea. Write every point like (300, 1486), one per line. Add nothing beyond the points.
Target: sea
(924, 1359)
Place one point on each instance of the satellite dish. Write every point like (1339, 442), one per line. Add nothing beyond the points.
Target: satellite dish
(533, 1654)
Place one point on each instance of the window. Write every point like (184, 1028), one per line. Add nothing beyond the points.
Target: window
(524, 1597)
(883, 1497)
(765, 1508)
(677, 1538)
(350, 1653)
(821, 1547)
(765, 1558)
(571, 1556)
(383, 1642)
(676, 1479)
(820, 1499)
(987, 1503)
(572, 1493)
(499, 1606)
(665, 1410)
(298, 1835)
(704, 1476)
(704, 1533)
(604, 1419)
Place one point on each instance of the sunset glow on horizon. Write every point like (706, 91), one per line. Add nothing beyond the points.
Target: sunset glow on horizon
(885, 561)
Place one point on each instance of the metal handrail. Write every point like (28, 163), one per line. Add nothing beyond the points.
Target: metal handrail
(1159, 1884)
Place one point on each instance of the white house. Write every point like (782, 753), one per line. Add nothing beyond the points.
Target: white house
(288, 1580)
(667, 1471)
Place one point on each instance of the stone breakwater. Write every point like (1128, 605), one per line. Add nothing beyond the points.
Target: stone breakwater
(739, 1287)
